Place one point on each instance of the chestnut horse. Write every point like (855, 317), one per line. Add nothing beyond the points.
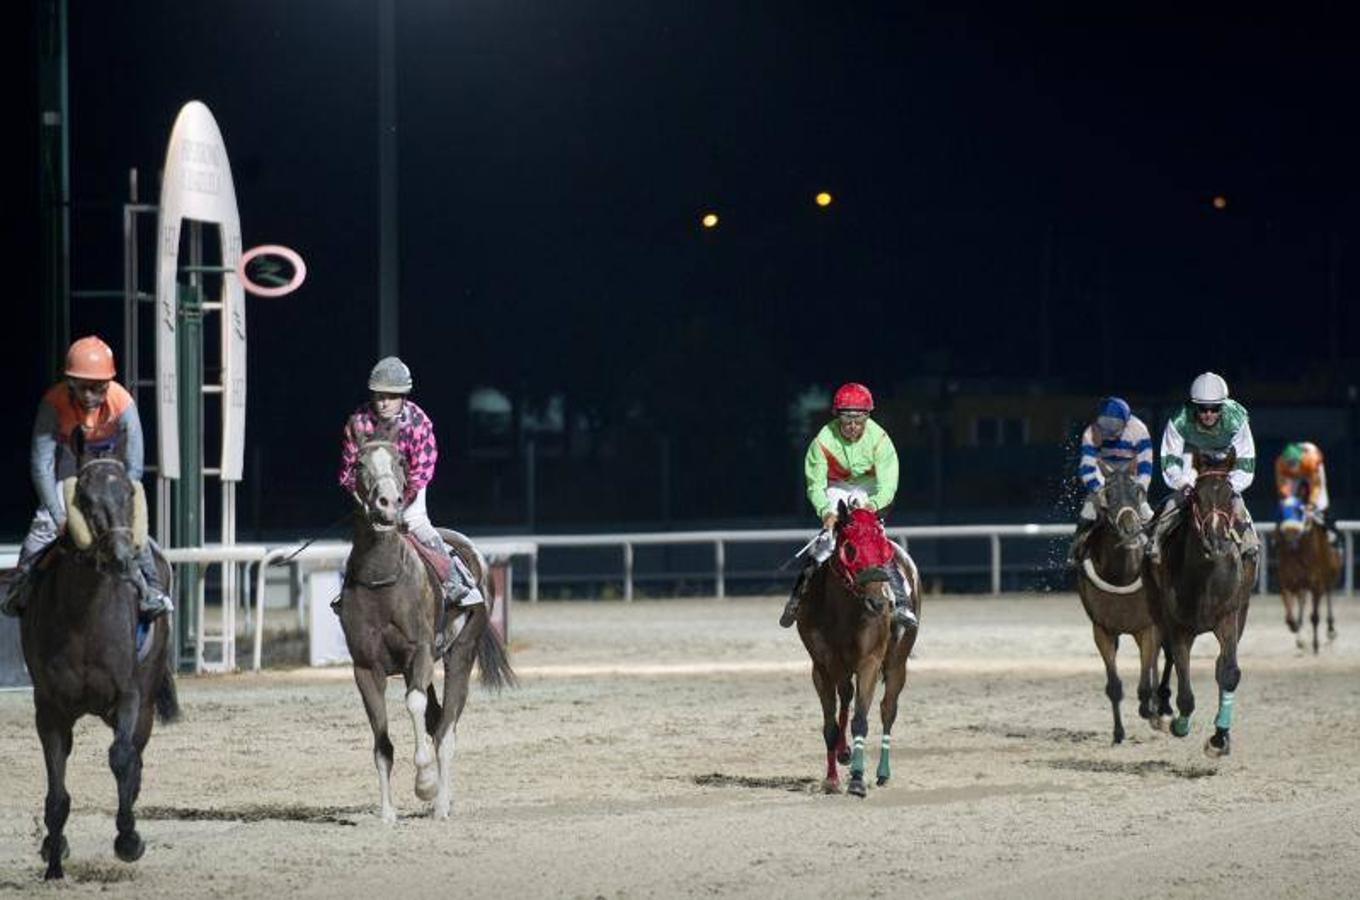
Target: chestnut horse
(1112, 592)
(1308, 566)
(79, 639)
(845, 622)
(1204, 584)
(389, 608)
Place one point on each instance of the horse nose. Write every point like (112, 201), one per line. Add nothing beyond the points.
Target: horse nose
(384, 503)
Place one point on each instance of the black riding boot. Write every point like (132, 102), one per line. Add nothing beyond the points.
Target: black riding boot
(17, 586)
(1084, 529)
(791, 607)
(902, 611)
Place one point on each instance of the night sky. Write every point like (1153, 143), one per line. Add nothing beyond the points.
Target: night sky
(555, 160)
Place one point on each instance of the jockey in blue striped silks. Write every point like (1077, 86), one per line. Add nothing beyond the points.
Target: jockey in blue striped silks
(1117, 438)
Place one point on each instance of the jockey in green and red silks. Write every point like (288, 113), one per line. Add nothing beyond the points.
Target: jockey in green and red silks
(852, 459)
(391, 415)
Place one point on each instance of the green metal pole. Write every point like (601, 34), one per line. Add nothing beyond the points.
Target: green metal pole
(189, 489)
(54, 192)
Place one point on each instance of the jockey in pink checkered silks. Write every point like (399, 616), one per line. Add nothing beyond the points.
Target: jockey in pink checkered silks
(389, 414)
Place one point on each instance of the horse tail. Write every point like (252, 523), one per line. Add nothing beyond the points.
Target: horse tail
(494, 662)
(167, 696)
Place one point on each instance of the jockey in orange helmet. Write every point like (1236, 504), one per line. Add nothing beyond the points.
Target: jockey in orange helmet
(851, 459)
(90, 400)
(1301, 479)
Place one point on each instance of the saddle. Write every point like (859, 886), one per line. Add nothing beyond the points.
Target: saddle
(437, 566)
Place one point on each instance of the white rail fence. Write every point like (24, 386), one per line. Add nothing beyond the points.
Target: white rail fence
(251, 562)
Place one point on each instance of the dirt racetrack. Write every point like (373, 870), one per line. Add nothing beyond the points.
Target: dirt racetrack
(673, 749)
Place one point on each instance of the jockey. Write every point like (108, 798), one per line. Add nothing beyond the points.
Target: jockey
(1209, 422)
(389, 407)
(1117, 437)
(89, 399)
(1299, 472)
(851, 459)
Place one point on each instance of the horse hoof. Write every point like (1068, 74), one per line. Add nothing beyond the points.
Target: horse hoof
(1214, 751)
(857, 787)
(843, 756)
(129, 846)
(1159, 723)
(831, 786)
(1180, 726)
(46, 851)
(427, 785)
(882, 780)
(389, 816)
(1118, 737)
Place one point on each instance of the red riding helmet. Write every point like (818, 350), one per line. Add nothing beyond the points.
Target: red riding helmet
(853, 395)
(90, 358)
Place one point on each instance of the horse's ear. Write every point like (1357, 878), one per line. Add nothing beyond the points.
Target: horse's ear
(842, 511)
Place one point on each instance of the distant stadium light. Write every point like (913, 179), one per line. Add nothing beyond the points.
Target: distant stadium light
(1220, 202)
(823, 199)
(710, 220)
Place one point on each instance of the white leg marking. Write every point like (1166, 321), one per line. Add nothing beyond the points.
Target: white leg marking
(425, 773)
(443, 801)
(389, 815)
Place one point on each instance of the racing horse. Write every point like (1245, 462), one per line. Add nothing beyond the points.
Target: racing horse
(79, 636)
(1204, 584)
(1116, 601)
(390, 607)
(845, 623)
(1308, 566)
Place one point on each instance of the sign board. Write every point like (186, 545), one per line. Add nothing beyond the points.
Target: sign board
(197, 185)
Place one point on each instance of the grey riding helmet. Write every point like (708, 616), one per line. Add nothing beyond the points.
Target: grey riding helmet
(390, 376)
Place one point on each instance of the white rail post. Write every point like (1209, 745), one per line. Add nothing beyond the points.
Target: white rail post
(996, 563)
(719, 561)
(628, 572)
(1263, 565)
(533, 577)
(1350, 563)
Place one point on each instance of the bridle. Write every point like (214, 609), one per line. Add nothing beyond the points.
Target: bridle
(122, 469)
(1205, 519)
(398, 483)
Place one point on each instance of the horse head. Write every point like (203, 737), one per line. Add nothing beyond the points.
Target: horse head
(381, 483)
(863, 554)
(105, 509)
(1119, 502)
(1211, 502)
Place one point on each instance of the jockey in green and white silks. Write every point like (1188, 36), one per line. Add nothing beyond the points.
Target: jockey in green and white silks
(1209, 422)
(851, 459)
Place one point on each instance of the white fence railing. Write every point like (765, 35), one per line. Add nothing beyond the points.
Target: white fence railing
(259, 557)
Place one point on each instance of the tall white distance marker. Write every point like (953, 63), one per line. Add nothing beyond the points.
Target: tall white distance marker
(197, 185)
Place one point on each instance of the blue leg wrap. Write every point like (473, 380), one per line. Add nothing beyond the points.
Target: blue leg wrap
(1225, 708)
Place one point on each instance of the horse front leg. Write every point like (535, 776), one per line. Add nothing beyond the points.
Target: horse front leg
(1228, 675)
(125, 759)
(1185, 697)
(895, 680)
(457, 675)
(826, 692)
(866, 681)
(372, 686)
(845, 693)
(1148, 643)
(1331, 621)
(1164, 685)
(1316, 602)
(1108, 645)
(55, 735)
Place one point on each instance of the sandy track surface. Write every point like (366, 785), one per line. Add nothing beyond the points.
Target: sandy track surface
(673, 749)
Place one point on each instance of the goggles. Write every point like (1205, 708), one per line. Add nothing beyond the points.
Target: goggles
(852, 415)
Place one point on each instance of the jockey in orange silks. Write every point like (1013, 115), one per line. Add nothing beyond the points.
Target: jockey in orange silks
(851, 459)
(1301, 480)
(89, 400)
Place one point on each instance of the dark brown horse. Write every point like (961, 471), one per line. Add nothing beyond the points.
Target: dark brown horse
(78, 634)
(1204, 584)
(845, 622)
(389, 609)
(1112, 592)
(1308, 567)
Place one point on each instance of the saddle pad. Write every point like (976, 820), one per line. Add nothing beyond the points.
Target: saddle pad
(438, 565)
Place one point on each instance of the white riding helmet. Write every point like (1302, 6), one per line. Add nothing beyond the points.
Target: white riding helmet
(1208, 389)
(390, 376)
